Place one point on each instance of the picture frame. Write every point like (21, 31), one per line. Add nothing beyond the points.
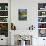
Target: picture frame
(22, 14)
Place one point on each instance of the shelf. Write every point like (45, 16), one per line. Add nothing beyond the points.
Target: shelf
(41, 28)
(41, 10)
(41, 22)
(3, 16)
(3, 10)
(3, 22)
(42, 16)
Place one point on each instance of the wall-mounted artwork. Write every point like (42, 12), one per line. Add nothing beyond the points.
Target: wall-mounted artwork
(4, 29)
(42, 32)
(3, 6)
(3, 19)
(22, 14)
(41, 19)
(41, 6)
(3, 13)
(41, 25)
(41, 13)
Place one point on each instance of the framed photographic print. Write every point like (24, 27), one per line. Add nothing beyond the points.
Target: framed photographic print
(22, 14)
(42, 33)
(3, 13)
(41, 25)
(3, 19)
(4, 29)
(41, 19)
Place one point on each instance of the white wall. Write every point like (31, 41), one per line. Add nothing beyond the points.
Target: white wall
(32, 14)
(31, 7)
